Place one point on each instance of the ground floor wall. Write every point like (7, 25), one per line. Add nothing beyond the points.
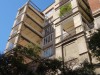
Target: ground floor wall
(74, 49)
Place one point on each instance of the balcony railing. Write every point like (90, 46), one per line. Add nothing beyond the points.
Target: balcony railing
(69, 34)
(10, 46)
(62, 2)
(18, 20)
(13, 34)
(34, 6)
(66, 14)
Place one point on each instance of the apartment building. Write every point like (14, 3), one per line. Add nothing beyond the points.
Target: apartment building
(27, 28)
(60, 30)
(70, 28)
(95, 7)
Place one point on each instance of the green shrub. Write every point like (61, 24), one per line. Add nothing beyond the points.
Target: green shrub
(65, 8)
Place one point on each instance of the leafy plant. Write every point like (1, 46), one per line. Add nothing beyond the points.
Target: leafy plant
(94, 44)
(65, 8)
(13, 62)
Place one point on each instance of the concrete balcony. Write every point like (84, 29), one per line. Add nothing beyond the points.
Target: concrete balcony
(18, 20)
(64, 11)
(33, 23)
(21, 11)
(10, 46)
(11, 43)
(34, 6)
(62, 2)
(39, 33)
(31, 36)
(35, 16)
(68, 35)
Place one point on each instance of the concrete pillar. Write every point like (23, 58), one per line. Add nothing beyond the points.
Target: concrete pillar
(58, 33)
(78, 24)
(81, 40)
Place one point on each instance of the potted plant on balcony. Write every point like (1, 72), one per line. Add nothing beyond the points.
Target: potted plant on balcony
(65, 8)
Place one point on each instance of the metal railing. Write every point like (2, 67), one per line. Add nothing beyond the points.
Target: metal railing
(62, 2)
(70, 34)
(10, 46)
(14, 33)
(34, 6)
(66, 14)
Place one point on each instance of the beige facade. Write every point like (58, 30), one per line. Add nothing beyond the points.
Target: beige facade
(70, 28)
(59, 36)
(27, 27)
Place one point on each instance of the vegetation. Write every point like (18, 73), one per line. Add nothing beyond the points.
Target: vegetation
(13, 63)
(54, 66)
(65, 8)
(94, 44)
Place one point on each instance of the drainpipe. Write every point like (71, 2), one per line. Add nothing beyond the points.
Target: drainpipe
(63, 60)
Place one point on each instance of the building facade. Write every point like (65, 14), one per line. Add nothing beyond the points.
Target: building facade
(70, 40)
(27, 28)
(60, 30)
(95, 7)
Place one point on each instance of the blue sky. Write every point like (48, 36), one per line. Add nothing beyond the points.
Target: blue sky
(8, 10)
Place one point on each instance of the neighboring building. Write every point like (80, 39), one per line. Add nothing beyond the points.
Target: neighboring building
(60, 32)
(95, 7)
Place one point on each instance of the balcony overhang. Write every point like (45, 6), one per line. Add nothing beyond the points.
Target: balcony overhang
(33, 30)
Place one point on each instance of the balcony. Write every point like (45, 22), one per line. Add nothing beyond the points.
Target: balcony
(10, 44)
(29, 19)
(65, 12)
(18, 20)
(34, 6)
(13, 34)
(69, 35)
(86, 12)
(38, 33)
(33, 26)
(10, 47)
(21, 11)
(62, 2)
(64, 9)
(30, 36)
(34, 17)
(65, 36)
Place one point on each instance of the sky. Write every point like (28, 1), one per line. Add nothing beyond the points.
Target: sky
(8, 11)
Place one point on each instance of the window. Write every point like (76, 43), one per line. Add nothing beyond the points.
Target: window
(48, 39)
(48, 30)
(48, 52)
